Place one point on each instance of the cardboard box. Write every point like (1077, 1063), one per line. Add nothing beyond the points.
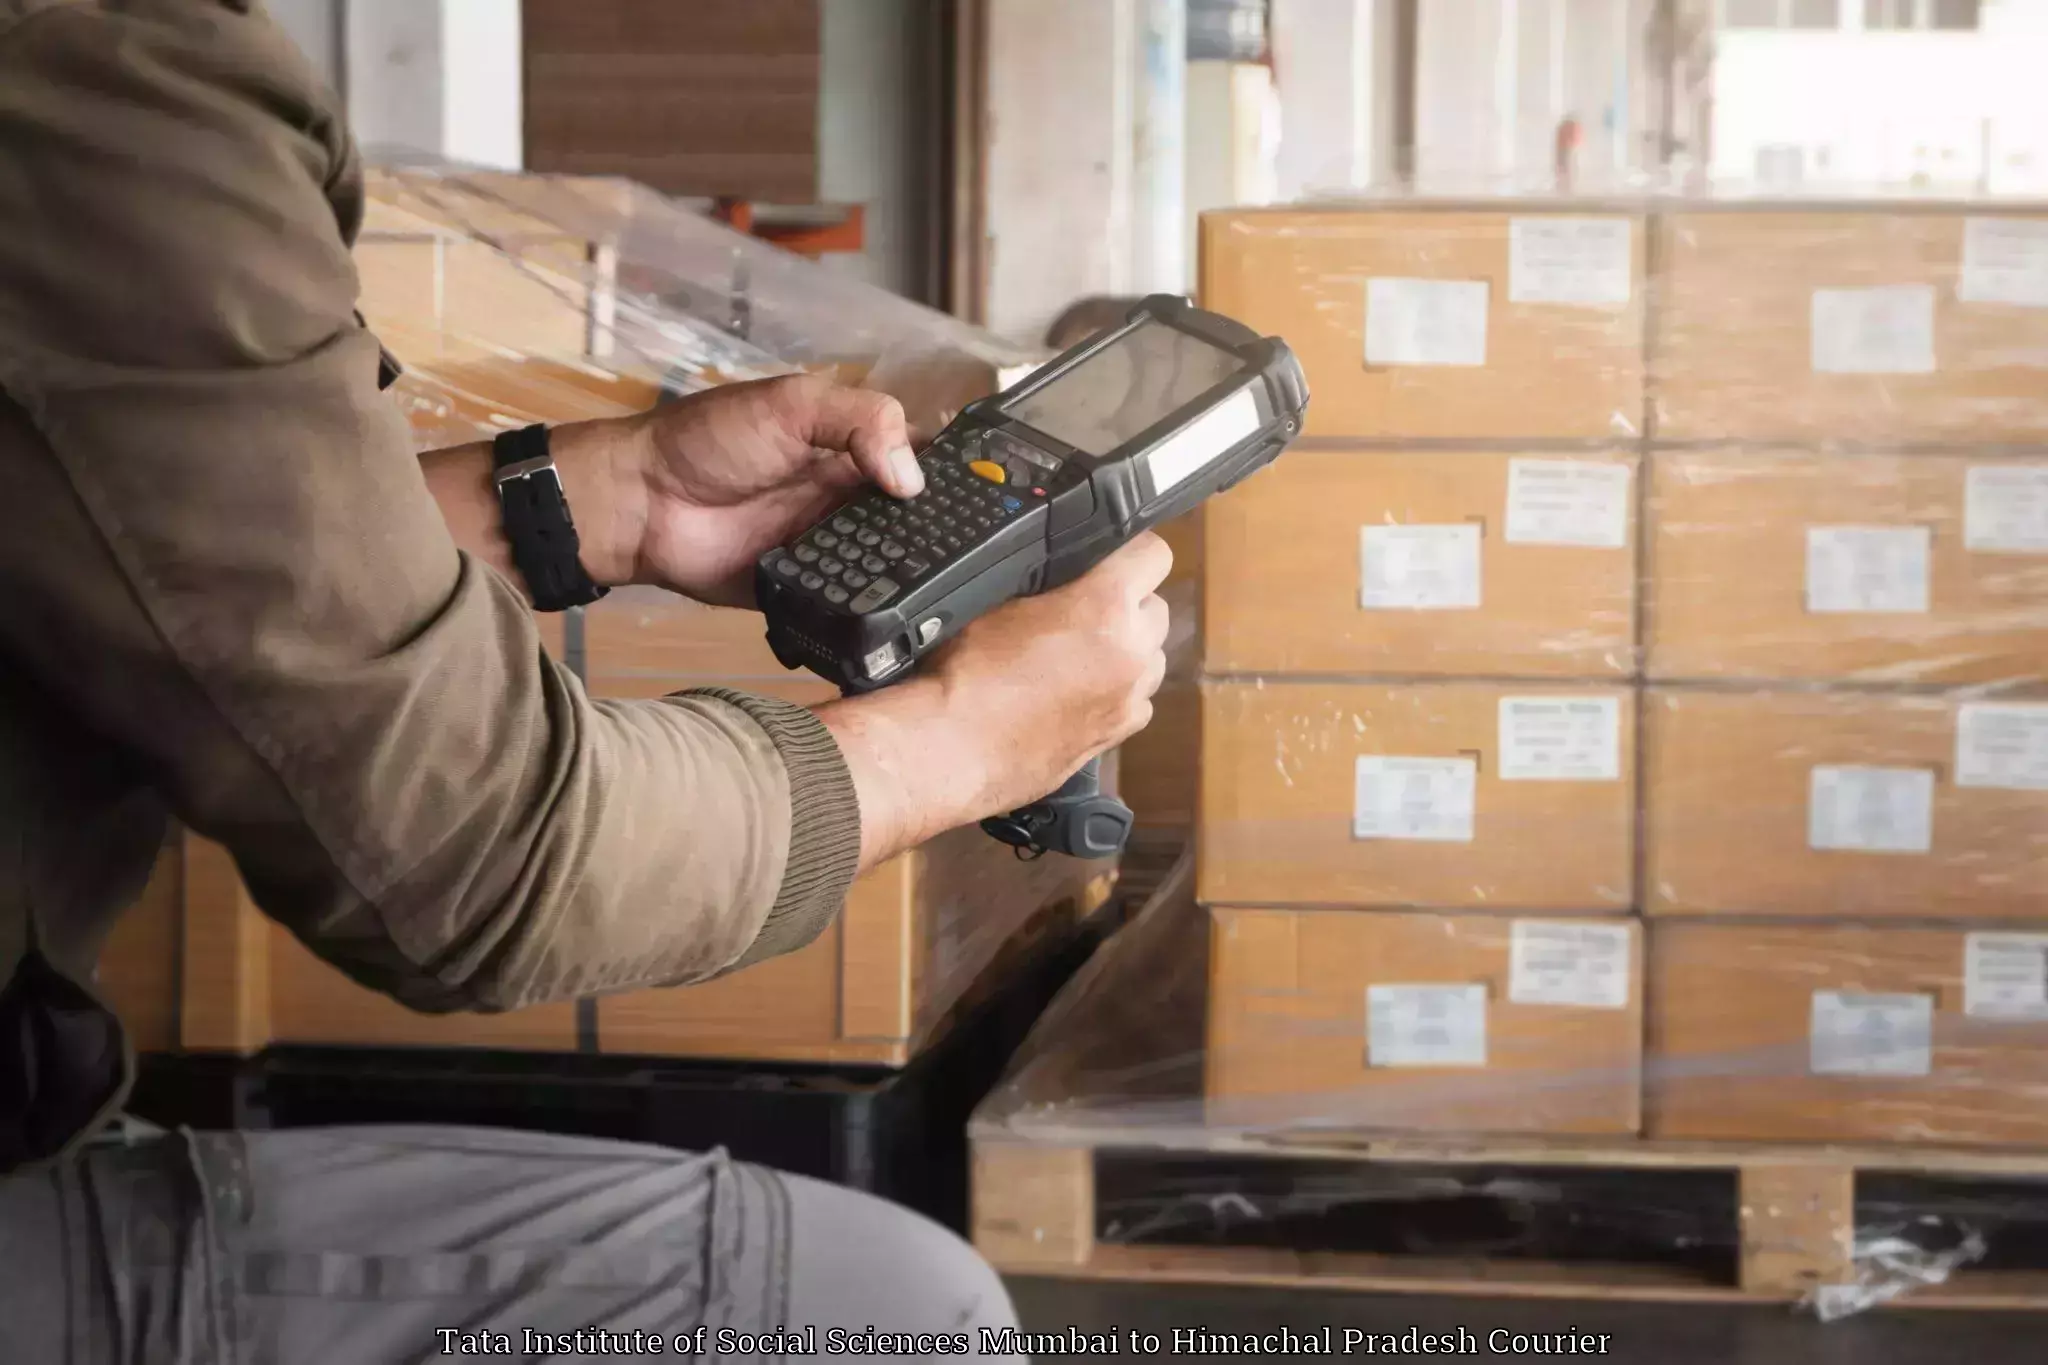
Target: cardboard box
(1891, 325)
(1157, 766)
(1447, 322)
(1776, 565)
(1846, 1033)
(479, 267)
(453, 402)
(138, 964)
(1425, 564)
(919, 936)
(448, 298)
(1464, 1023)
(643, 642)
(1450, 795)
(1845, 804)
(1160, 766)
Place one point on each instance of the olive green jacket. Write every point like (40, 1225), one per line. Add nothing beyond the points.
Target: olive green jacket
(227, 596)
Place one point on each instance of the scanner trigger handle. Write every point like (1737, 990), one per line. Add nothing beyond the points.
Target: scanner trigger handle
(1079, 820)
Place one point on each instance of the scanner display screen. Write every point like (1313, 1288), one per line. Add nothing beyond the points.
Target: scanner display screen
(1137, 380)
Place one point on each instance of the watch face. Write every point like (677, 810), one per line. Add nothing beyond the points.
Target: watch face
(1119, 392)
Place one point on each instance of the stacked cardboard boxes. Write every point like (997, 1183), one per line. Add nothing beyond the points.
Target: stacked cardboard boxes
(1417, 818)
(1692, 563)
(1845, 816)
(505, 301)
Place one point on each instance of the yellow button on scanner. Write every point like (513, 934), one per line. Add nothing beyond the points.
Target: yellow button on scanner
(990, 470)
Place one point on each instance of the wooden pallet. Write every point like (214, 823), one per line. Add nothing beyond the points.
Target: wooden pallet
(1036, 1213)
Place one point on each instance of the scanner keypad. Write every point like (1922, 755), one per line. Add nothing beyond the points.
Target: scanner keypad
(877, 544)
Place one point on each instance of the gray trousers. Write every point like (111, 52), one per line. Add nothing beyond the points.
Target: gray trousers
(392, 1245)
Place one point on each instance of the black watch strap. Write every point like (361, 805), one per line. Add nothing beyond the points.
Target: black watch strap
(537, 521)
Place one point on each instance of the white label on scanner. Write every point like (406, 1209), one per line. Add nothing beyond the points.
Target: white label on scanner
(1854, 809)
(2005, 260)
(1560, 739)
(1425, 322)
(2002, 744)
(1584, 262)
(1425, 1025)
(1568, 502)
(1425, 800)
(2005, 976)
(1867, 568)
(1860, 1034)
(1419, 568)
(1203, 441)
(1889, 330)
(1553, 963)
(2005, 509)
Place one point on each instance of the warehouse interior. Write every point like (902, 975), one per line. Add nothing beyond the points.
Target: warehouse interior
(1582, 883)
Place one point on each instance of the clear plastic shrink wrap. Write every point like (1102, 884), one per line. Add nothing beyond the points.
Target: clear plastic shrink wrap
(511, 299)
(1621, 853)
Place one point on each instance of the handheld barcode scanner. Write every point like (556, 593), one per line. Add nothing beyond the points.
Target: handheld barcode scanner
(1026, 491)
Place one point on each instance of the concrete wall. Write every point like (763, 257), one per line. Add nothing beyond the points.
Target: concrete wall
(434, 76)
(1950, 111)
(1495, 78)
(877, 106)
(1333, 63)
(1060, 157)
(315, 25)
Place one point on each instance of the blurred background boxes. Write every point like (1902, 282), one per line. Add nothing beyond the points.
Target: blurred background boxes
(642, 643)
(1844, 804)
(1448, 323)
(200, 969)
(1893, 324)
(1447, 795)
(1881, 569)
(1425, 563)
(1847, 1032)
(1428, 1022)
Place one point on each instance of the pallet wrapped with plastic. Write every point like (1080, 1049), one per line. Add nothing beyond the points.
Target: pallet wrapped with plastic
(1414, 1104)
(1620, 859)
(510, 299)
(503, 294)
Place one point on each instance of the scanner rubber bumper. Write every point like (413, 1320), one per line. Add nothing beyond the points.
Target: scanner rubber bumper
(1079, 820)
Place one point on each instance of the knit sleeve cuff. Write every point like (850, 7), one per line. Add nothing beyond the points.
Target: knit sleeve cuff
(824, 824)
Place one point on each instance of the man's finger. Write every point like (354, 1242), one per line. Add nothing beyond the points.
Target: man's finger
(1139, 567)
(868, 426)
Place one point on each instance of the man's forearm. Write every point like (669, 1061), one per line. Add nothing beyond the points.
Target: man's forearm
(599, 465)
(916, 773)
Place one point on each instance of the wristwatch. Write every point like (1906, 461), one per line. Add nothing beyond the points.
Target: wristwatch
(537, 521)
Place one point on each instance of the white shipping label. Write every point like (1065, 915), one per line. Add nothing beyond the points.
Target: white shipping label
(2002, 744)
(2005, 976)
(1568, 502)
(1868, 568)
(1419, 568)
(1889, 330)
(1425, 322)
(1855, 809)
(1425, 1025)
(1861, 1034)
(1585, 262)
(1560, 739)
(1425, 800)
(2005, 260)
(2005, 509)
(1582, 964)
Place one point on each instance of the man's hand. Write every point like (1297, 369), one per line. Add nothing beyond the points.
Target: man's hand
(1011, 708)
(733, 472)
(689, 495)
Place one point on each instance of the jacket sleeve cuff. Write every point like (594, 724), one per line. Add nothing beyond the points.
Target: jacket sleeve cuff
(824, 824)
